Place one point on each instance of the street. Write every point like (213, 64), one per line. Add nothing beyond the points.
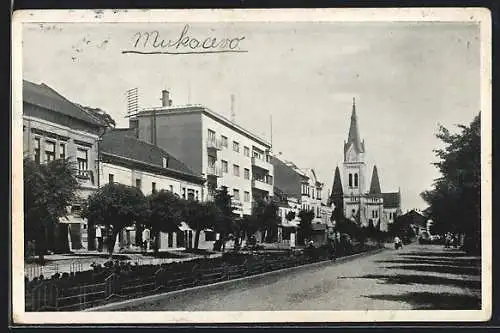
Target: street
(419, 277)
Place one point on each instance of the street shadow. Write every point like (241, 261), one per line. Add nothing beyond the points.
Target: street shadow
(445, 269)
(419, 261)
(409, 279)
(444, 254)
(433, 301)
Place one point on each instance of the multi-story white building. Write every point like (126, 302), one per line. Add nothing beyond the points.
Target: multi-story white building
(130, 161)
(53, 128)
(224, 153)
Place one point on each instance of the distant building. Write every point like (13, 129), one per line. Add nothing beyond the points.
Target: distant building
(224, 153)
(360, 202)
(53, 128)
(130, 161)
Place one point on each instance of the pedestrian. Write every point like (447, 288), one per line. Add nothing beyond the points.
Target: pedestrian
(397, 243)
(98, 235)
(333, 250)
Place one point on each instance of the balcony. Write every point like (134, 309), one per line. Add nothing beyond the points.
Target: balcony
(237, 205)
(213, 143)
(85, 177)
(214, 171)
(262, 185)
(261, 163)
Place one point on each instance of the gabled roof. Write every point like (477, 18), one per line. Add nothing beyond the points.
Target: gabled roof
(375, 183)
(391, 199)
(120, 143)
(45, 97)
(286, 177)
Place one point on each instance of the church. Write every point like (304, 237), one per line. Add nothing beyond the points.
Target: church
(362, 202)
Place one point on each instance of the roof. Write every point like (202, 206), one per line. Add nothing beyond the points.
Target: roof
(375, 183)
(353, 137)
(43, 96)
(391, 199)
(193, 108)
(120, 142)
(286, 177)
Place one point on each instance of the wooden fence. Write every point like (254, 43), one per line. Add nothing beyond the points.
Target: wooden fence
(63, 295)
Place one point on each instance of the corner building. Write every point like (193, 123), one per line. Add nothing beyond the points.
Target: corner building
(222, 152)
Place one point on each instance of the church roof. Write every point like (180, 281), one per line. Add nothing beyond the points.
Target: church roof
(391, 199)
(375, 183)
(337, 190)
(353, 137)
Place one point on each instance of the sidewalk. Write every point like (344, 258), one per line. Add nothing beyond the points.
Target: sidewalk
(82, 261)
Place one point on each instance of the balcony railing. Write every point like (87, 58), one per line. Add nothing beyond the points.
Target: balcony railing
(213, 143)
(85, 175)
(262, 185)
(261, 163)
(214, 170)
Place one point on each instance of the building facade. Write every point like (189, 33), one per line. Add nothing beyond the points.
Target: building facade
(130, 161)
(222, 152)
(363, 204)
(53, 128)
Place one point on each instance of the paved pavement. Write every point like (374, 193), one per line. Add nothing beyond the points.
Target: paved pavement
(415, 277)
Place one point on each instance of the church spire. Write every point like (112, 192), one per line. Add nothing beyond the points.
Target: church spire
(353, 137)
(375, 183)
(337, 191)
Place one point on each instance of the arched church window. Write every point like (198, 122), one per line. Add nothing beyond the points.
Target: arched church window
(350, 180)
(355, 180)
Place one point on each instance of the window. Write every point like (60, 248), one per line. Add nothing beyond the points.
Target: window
(62, 151)
(209, 236)
(190, 194)
(223, 141)
(312, 190)
(236, 194)
(82, 159)
(350, 180)
(224, 166)
(170, 239)
(172, 188)
(153, 187)
(50, 151)
(236, 170)
(138, 183)
(355, 180)
(246, 173)
(246, 196)
(111, 178)
(37, 150)
(211, 161)
(164, 160)
(246, 151)
(183, 193)
(211, 135)
(236, 146)
(197, 196)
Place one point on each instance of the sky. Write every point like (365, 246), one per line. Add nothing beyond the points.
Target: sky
(406, 77)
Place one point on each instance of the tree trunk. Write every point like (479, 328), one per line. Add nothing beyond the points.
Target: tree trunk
(90, 237)
(157, 243)
(197, 239)
(111, 243)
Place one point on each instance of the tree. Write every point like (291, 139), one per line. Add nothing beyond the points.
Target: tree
(222, 201)
(101, 115)
(290, 216)
(455, 199)
(265, 215)
(115, 206)
(49, 189)
(305, 225)
(200, 216)
(165, 214)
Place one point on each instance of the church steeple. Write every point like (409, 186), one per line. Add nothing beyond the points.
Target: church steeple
(353, 137)
(375, 183)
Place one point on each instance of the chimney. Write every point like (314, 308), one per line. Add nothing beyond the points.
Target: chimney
(165, 98)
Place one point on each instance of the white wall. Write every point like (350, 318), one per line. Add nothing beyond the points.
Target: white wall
(231, 157)
(128, 176)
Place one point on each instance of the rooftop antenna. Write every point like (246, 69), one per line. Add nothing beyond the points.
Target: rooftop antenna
(233, 114)
(132, 96)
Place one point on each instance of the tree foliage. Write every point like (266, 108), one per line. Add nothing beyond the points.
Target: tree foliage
(290, 216)
(116, 206)
(305, 225)
(200, 216)
(49, 189)
(265, 215)
(222, 201)
(455, 199)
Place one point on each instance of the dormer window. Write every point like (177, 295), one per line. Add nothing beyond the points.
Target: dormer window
(165, 162)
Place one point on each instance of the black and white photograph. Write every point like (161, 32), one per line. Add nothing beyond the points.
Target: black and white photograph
(183, 166)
